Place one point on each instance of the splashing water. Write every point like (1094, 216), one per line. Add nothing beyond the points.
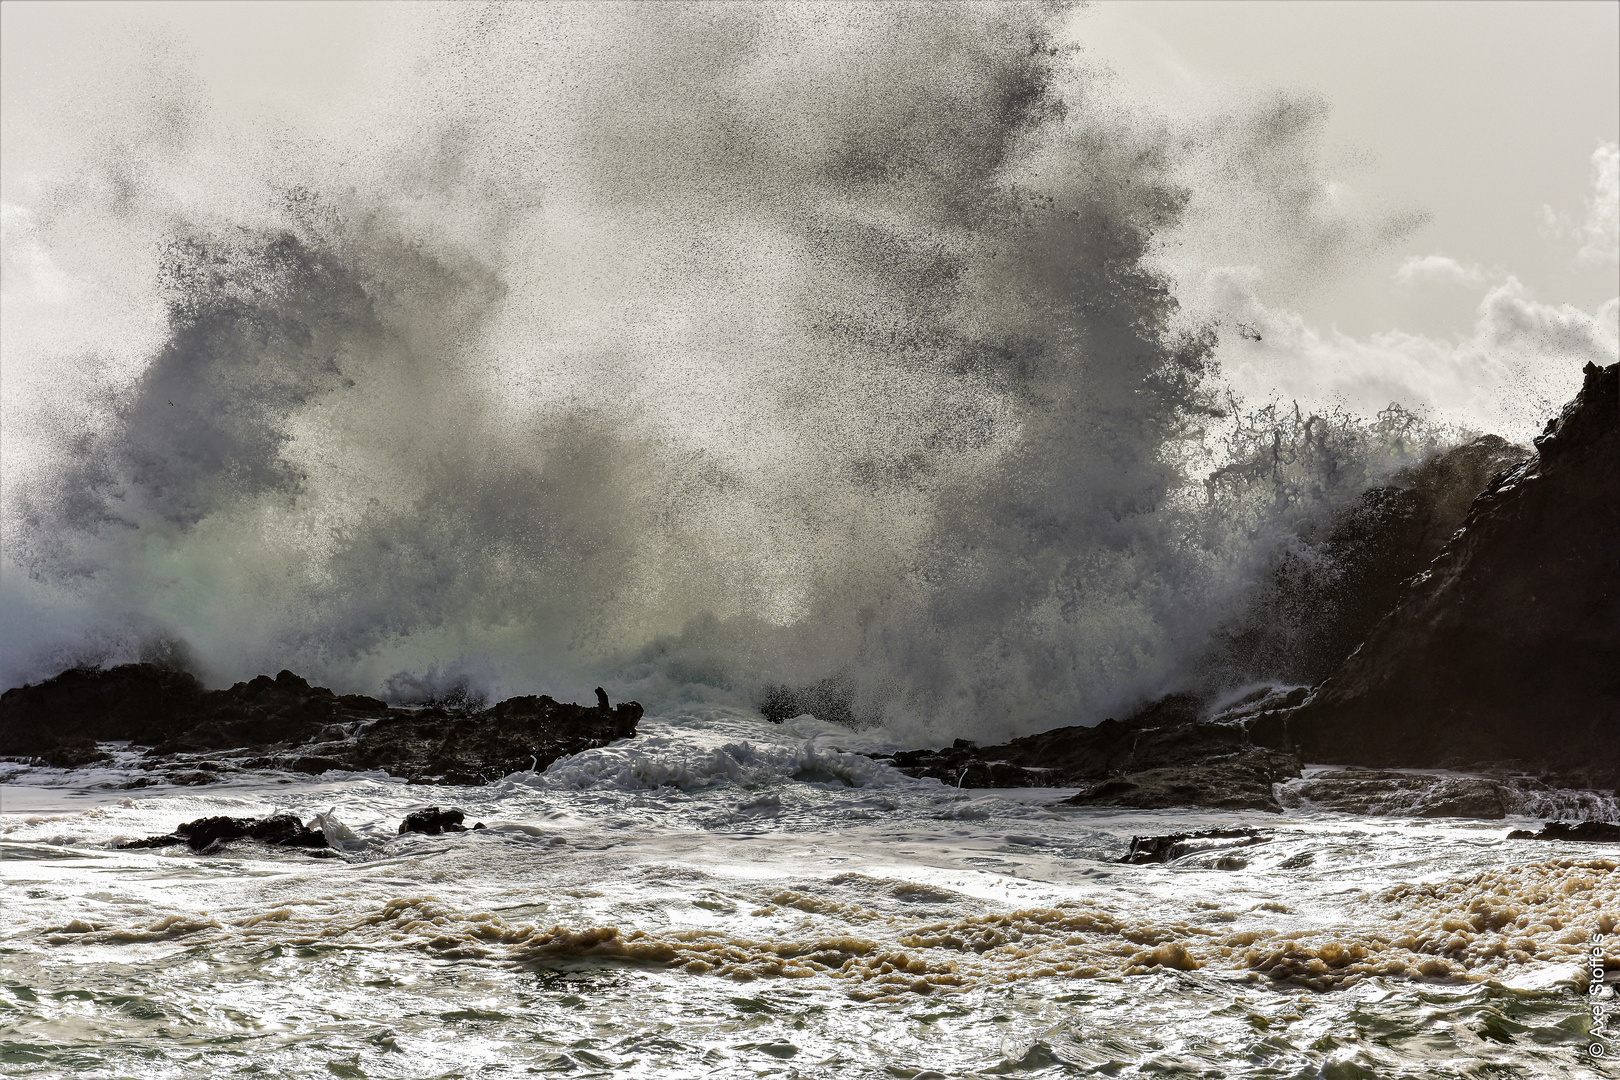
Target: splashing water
(697, 349)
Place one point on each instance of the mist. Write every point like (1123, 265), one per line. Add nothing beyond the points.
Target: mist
(692, 350)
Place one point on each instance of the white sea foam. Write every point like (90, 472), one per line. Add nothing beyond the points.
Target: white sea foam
(658, 760)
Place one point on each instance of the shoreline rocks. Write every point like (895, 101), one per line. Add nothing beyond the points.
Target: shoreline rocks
(1508, 646)
(285, 723)
(1587, 832)
(278, 830)
(1163, 849)
(432, 821)
(1161, 756)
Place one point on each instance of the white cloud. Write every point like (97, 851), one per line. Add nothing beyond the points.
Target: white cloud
(1438, 269)
(1599, 233)
(1522, 361)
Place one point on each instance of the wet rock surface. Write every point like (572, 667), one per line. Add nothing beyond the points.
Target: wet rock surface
(278, 830)
(432, 821)
(285, 723)
(1323, 595)
(59, 721)
(1590, 832)
(1389, 793)
(1508, 645)
(1242, 781)
(1162, 756)
(1168, 848)
(1165, 734)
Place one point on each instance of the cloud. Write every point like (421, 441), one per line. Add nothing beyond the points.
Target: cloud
(1438, 270)
(1599, 233)
(1520, 363)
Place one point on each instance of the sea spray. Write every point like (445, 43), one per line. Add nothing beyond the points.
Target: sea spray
(699, 349)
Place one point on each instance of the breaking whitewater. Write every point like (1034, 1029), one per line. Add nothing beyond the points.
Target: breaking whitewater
(848, 387)
(719, 896)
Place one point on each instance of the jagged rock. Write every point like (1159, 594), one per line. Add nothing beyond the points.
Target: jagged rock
(1234, 782)
(1323, 595)
(1159, 849)
(285, 711)
(1167, 734)
(61, 719)
(516, 735)
(1508, 645)
(432, 821)
(279, 830)
(1591, 832)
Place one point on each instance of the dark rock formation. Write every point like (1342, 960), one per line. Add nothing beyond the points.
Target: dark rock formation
(516, 735)
(432, 821)
(289, 724)
(1591, 832)
(1508, 646)
(1233, 782)
(1160, 849)
(59, 721)
(278, 830)
(285, 710)
(1163, 755)
(1324, 594)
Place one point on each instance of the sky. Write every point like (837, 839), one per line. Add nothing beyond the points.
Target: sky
(1485, 115)
(1479, 114)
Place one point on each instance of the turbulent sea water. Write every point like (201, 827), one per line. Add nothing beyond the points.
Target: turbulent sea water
(720, 897)
(701, 351)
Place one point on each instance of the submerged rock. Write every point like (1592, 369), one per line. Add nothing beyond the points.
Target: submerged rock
(1591, 832)
(432, 821)
(1159, 849)
(59, 722)
(1508, 645)
(1406, 794)
(278, 830)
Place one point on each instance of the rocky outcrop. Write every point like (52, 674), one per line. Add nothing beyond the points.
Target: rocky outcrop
(1506, 650)
(1162, 849)
(286, 723)
(432, 821)
(1163, 755)
(59, 721)
(1234, 782)
(1326, 592)
(518, 735)
(278, 830)
(1587, 832)
(1166, 733)
(285, 710)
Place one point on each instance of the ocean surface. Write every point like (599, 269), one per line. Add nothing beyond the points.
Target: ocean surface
(720, 897)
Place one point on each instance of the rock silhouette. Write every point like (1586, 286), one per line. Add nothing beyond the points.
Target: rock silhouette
(287, 723)
(1507, 648)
